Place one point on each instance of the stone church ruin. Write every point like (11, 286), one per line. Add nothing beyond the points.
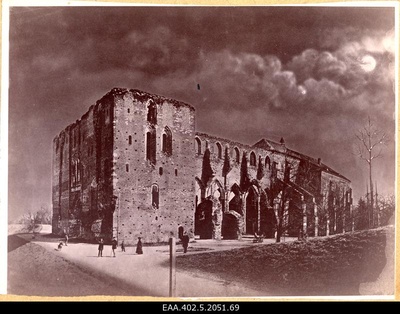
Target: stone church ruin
(134, 166)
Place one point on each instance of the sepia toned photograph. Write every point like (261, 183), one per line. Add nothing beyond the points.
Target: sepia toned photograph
(201, 151)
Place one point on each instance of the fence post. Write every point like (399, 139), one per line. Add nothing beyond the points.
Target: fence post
(172, 267)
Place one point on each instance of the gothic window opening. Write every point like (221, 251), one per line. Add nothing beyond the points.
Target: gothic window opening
(267, 163)
(252, 159)
(198, 146)
(161, 171)
(127, 168)
(154, 196)
(219, 150)
(167, 141)
(237, 155)
(75, 173)
(151, 145)
(152, 113)
(130, 139)
(287, 173)
(274, 171)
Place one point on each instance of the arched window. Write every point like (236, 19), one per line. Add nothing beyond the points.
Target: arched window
(154, 196)
(287, 173)
(274, 170)
(76, 172)
(152, 113)
(252, 159)
(219, 150)
(237, 154)
(151, 145)
(167, 141)
(198, 146)
(130, 139)
(267, 163)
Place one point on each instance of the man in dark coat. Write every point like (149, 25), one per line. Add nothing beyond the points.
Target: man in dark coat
(114, 245)
(185, 242)
(101, 247)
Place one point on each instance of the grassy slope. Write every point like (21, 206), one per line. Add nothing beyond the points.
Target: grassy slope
(333, 265)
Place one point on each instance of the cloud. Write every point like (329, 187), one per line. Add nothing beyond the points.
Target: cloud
(294, 72)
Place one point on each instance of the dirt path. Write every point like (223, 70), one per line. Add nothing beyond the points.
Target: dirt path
(34, 271)
(39, 269)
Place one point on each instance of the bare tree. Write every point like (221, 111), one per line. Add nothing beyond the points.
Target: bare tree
(370, 141)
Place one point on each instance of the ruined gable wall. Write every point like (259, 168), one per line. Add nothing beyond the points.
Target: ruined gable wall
(135, 176)
(82, 155)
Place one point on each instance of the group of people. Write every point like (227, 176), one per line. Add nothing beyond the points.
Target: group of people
(184, 237)
(114, 245)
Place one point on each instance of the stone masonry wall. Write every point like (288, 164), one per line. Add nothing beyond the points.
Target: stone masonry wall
(135, 177)
(82, 185)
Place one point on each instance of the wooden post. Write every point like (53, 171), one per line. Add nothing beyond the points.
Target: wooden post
(258, 212)
(352, 217)
(304, 209)
(172, 267)
(316, 222)
(328, 225)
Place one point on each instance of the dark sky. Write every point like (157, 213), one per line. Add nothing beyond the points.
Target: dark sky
(312, 75)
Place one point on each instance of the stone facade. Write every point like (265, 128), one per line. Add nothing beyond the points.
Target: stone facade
(134, 166)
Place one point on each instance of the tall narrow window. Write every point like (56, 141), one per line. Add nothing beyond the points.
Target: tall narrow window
(130, 139)
(198, 146)
(154, 196)
(78, 172)
(152, 113)
(129, 110)
(127, 167)
(151, 145)
(267, 163)
(252, 159)
(219, 150)
(75, 172)
(274, 170)
(287, 172)
(237, 155)
(167, 141)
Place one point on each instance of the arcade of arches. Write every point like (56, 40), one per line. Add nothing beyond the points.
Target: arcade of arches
(229, 214)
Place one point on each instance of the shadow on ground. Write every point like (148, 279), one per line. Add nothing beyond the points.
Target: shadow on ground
(14, 242)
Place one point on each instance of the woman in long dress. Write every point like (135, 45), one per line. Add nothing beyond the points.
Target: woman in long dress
(139, 246)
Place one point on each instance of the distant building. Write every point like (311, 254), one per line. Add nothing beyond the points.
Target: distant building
(134, 166)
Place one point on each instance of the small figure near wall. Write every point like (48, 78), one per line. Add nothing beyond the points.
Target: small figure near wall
(101, 247)
(139, 246)
(185, 242)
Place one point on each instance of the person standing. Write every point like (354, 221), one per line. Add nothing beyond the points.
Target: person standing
(185, 242)
(113, 246)
(66, 239)
(139, 246)
(122, 246)
(101, 247)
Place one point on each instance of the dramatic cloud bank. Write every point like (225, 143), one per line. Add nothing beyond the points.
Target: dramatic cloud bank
(311, 75)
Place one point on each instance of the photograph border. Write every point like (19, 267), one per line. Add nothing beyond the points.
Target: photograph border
(4, 148)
